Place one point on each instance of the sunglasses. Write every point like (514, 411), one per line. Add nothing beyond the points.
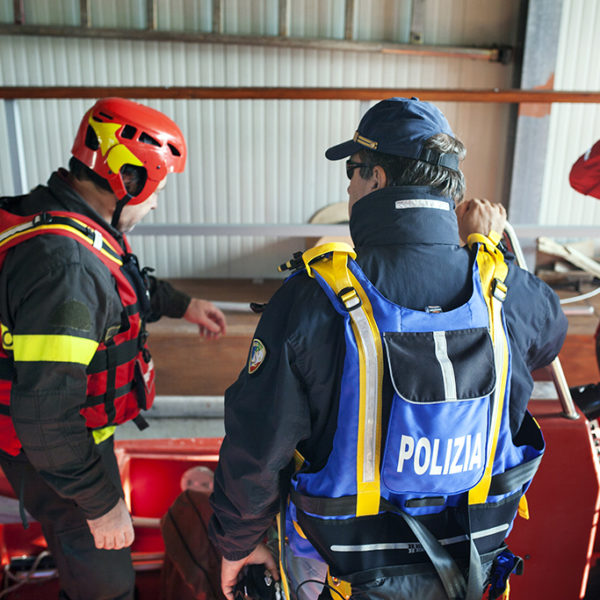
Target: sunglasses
(350, 166)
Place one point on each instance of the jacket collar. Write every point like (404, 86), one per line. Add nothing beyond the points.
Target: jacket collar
(404, 215)
(68, 199)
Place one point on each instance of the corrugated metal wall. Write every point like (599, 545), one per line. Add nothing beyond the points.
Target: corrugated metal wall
(255, 161)
(573, 127)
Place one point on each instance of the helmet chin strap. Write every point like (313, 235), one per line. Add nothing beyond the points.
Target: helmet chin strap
(118, 209)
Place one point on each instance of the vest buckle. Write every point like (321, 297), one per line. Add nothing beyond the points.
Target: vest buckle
(499, 290)
(349, 298)
(42, 219)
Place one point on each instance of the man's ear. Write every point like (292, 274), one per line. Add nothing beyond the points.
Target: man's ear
(379, 177)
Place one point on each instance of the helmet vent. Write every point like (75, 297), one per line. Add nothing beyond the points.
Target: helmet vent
(106, 115)
(148, 139)
(128, 132)
(91, 139)
(174, 150)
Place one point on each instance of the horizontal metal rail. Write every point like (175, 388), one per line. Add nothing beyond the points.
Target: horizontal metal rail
(497, 96)
(315, 230)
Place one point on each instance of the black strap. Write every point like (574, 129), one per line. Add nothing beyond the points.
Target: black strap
(7, 370)
(502, 483)
(111, 379)
(120, 355)
(5, 410)
(450, 575)
(450, 160)
(475, 577)
(45, 218)
(141, 423)
(102, 398)
(514, 478)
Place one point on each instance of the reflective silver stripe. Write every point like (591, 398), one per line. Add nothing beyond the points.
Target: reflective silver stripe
(97, 243)
(499, 345)
(441, 353)
(369, 348)
(423, 203)
(416, 545)
(16, 229)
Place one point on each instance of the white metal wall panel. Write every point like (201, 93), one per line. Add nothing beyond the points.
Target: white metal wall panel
(6, 11)
(183, 15)
(55, 12)
(6, 177)
(317, 18)
(573, 127)
(255, 161)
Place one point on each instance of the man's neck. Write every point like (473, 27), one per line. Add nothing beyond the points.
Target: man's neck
(102, 201)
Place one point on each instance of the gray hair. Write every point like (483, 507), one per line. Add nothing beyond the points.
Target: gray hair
(408, 171)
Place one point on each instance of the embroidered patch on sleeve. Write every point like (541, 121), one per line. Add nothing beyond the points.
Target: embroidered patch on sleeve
(258, 353)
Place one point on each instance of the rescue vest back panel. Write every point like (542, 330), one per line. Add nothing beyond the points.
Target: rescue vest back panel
(121, 373)
(448, 459)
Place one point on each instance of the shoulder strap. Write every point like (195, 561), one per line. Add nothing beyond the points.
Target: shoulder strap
(72, 225)
(329, 262)
(492, 271)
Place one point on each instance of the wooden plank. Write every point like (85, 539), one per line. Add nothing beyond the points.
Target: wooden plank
(496, 96)
(493, 54)
(85, 16)
(19, 12)
(349, 20)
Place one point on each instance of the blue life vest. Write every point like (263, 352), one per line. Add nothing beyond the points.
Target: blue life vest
(447, 482)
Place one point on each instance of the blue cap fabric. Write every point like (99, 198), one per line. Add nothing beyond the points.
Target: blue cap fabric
(399, 126)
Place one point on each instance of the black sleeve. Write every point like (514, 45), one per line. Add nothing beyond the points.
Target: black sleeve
(59, 306)
(537, 328)
(266, 415)
(165, 300)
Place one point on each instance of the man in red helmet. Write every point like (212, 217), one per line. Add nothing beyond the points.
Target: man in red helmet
(74, 362)
(584, 177)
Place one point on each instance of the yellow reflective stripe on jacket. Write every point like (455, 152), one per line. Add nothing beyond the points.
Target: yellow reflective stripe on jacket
(53, 348)
(335, 272)
(492, 266)
(7, 338)
(103, 434)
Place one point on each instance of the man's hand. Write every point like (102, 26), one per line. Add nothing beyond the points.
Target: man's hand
(479, 215)
(210, 320)
(114, 530)
(230, 569)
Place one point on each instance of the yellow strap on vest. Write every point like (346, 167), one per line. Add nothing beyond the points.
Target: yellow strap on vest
(282, 568)
(339, 585)
(332, 266)
(493, 271)
(524, 508)
(506, 593)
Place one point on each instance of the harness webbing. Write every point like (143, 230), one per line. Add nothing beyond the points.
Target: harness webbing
(330, 262)
(54, 224)
(332, 266)
(493, 271)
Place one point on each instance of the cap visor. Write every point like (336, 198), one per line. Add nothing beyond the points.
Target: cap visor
(343, 150)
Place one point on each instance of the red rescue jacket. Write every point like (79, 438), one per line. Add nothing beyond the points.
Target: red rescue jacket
(120, 377)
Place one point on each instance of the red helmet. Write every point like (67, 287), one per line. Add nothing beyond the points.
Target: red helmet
(117, 132)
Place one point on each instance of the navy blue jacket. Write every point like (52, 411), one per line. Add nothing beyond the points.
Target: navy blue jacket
(413, 257)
